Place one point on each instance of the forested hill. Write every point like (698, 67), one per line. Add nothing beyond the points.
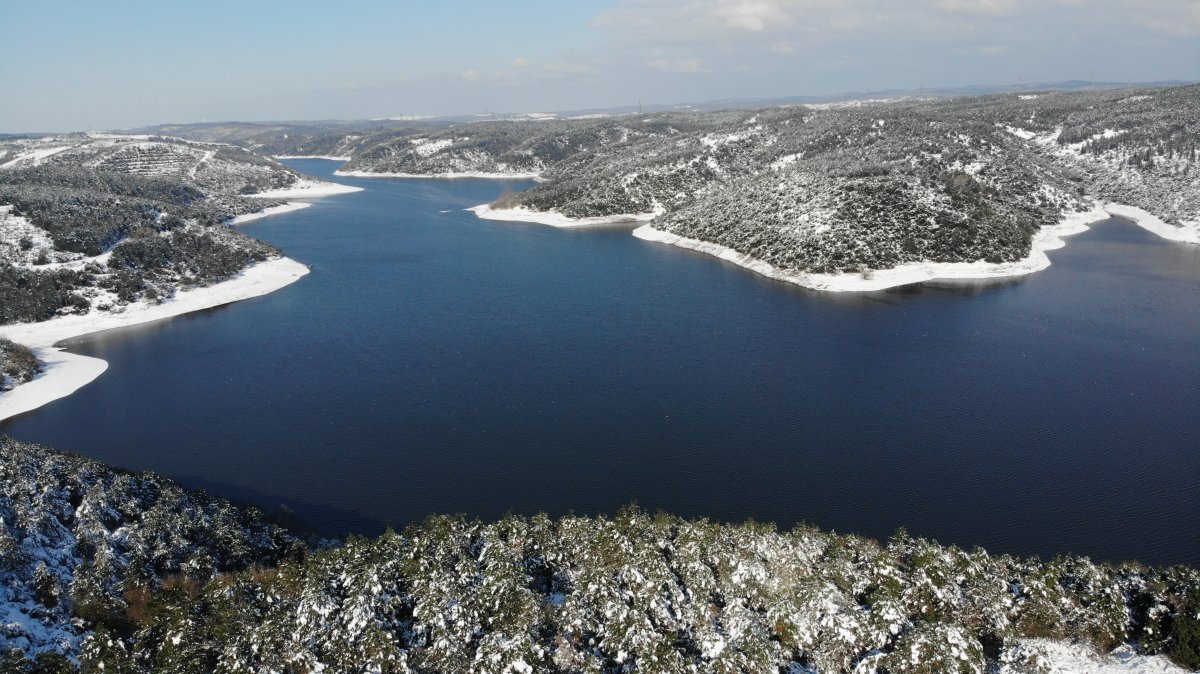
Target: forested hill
(829, 188)
(129, 573)
(92, 223)
(843, 187)
(84, 545)
(328, 138)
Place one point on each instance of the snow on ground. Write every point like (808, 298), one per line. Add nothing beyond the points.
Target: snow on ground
(523, 214)
(465, 174)
(307, 188)
(713, 141)
(1189, 232)
(35, 155)
(1061, 657)
(425, 147)
(100, 135)
(1049, 238)
(1020, 133)
(208, 154)
(62, 374)
(14, 229)
(65, 372)
(273, 210)
(310, 156)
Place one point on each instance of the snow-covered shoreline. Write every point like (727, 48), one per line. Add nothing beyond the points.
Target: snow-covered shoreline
(273, 210)
(65, 373)
(449, 176)
(1048, 238)
(307, 188)
(1188, 233)
(310, 156)
(523, 214)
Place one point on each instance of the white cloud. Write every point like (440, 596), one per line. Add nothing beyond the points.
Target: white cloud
(754, 16)
(520, 62)
(471, 76)
(981, 7)
(1180, 19)
(826, 44)
(690, 65)
(668, 18)
(766, 23)
(563, 68)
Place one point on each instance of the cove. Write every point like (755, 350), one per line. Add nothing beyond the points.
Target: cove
(433, 362)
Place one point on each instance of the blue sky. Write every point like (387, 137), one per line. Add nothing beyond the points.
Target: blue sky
(91, 65)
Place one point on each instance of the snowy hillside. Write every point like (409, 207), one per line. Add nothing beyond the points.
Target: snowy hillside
(82, 544)
(846, 188)
(133, 574)
(95, 222)
(292, 139)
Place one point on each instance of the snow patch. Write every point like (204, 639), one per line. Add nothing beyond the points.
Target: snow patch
(15, 229)
(273, 210)
(424, 147)
(1062, 657)
(1188, 232)
(311, 156)
(34, 156)
(463, 174)
(307, 188)
(1020, 133)
(523, 214)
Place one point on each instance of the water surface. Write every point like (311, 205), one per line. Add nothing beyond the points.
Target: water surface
(433, 362)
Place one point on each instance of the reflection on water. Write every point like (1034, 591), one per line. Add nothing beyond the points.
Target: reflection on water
(287, 510)
(437, 363)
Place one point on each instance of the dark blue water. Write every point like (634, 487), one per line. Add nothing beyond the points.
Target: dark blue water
(433, 362)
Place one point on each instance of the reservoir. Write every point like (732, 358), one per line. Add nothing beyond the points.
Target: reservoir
(433, 362)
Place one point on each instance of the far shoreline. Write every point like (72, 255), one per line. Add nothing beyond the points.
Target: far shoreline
(553, 219)
(439, 176)
(1048, 238)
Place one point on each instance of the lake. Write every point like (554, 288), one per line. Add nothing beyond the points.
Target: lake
(433, 362)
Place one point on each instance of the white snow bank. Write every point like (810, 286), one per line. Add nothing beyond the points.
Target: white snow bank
(463, 174)
(523, 214)
(34, 156)
(1188, 233)
(1061, 657)
(65, 372)
(310, 156)
(307, 188)
(1048, 238)
(273, 210)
